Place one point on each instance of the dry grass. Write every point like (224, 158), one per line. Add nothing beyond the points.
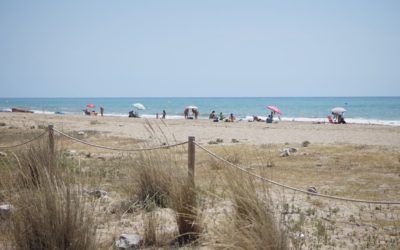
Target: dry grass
(158, 177)
(249, 218)
(50, 211)
(152, 174)
(252, 223)
(183, 201)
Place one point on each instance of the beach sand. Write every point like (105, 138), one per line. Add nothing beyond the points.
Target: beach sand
(255, 133)
(350, 160)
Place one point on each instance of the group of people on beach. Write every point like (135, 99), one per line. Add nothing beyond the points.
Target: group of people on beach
(195, 113)
(93, 112)
(213, 116)
(336, 119)
(164, 114)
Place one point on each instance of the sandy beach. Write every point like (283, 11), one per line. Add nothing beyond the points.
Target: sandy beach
(351, 160)
(255, 133)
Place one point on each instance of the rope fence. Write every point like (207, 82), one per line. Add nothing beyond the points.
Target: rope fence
(118, 149)
(24, 143)
(293, 188)
(191, 163)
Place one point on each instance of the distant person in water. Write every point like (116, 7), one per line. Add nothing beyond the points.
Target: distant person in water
(101, 111)
(164, 114)
(212, 115)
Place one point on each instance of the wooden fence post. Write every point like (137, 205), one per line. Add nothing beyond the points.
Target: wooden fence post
(191, 159)
(51, 141)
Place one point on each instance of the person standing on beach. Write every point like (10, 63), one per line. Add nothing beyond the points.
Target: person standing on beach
(196, 113)
(101, 111)
(164, 114)
(186, 113)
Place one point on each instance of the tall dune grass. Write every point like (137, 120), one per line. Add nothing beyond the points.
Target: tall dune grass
(159, 177)
(50, 211)
(252, 224)
(151, 175)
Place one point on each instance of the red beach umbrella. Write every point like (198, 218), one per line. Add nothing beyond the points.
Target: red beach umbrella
(91, 106)
(275, 109)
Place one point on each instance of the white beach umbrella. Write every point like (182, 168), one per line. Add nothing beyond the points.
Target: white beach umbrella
(191, 107)
(139, 106)
(338, 110)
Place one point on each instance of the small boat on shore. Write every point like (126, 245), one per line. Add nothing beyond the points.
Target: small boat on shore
(21, 110)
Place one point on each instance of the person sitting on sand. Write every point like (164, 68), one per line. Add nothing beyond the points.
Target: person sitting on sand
(94, 113)
(231, 118)
(256, 119)
(221, 116)
(340, 119)
(133, 114)
(212, 115)
(86, 112)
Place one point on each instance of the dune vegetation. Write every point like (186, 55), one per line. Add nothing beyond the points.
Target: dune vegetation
(84, 198)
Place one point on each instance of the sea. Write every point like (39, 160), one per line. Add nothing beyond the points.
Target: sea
(361, 110)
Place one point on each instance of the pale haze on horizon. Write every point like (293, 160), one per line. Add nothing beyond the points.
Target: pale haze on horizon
(202, 48)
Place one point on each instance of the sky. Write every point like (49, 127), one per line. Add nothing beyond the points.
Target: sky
(199, 48)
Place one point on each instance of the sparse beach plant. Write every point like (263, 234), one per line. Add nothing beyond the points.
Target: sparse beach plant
(150, 227)
(305, 143)
(252, 224)
(94, 122)
(158, 178)
(151, 176)
(50, 210)
(183, 201)
(41, 126)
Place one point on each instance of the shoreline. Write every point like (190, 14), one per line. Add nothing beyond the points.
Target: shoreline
(247, 118)
(205, 131)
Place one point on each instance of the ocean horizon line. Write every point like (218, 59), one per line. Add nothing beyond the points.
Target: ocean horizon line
(182, 97)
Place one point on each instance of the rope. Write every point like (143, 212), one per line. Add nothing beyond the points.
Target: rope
(293, 188)
(23, 143)
(118, 149)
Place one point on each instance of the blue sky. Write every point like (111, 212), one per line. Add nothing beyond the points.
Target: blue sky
(199, 48)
